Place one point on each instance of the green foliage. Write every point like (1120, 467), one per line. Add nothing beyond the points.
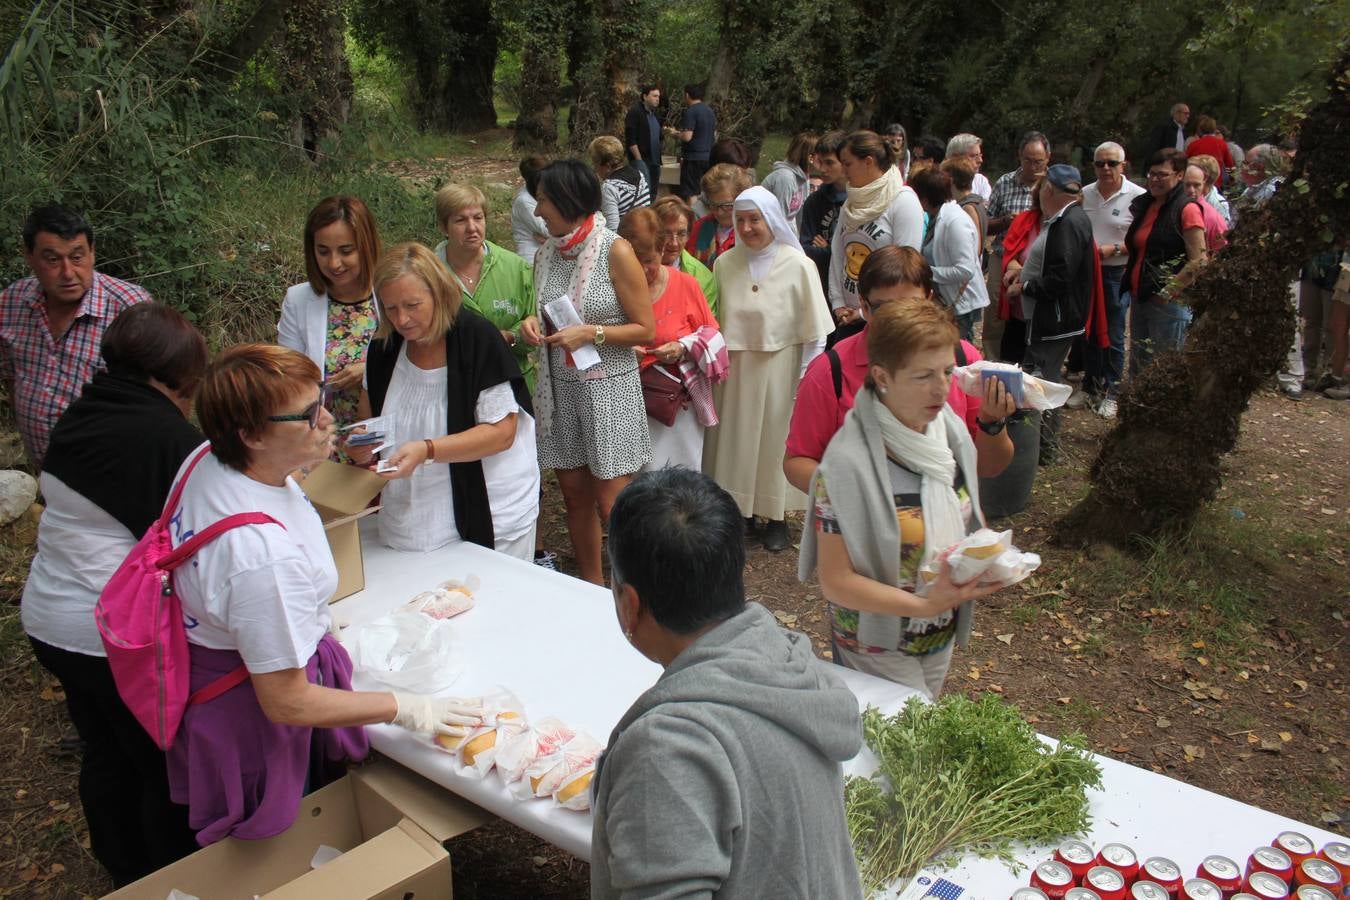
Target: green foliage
(959, 776)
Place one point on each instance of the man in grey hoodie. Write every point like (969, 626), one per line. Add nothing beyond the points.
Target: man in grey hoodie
(724, 778)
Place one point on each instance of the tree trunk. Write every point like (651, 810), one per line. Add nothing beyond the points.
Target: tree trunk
(230, 60)
(625, 29)
(1180, 416)
(541, 62)
(312, 54)
(465, 101)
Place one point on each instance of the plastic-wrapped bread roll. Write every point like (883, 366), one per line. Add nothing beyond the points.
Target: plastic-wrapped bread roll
(450, 598)
(519, 751)
(548, 772)
(574, 791)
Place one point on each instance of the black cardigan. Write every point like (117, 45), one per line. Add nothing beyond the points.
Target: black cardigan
(476, 358)
(119, 445)
(1165, 251)
(1063, 291)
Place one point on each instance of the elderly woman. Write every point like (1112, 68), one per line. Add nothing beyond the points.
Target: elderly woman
(330, 318)
(880, 212)
(102, 492)
(592, 431)
(256, 598)
(715, 233)
(1166, 244)
(832, 381)
(898, 486)
(685, 359)
(493, 282)
(1209, 166)
(676, 220)
(622, 187)
(454, 399)
(743, 731)
(952, 249)
(774, 323)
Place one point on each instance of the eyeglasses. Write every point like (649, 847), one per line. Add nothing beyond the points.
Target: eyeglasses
(720, 207)
(680, 236)
(310, 414)
(1107, 163)
(1161, 176)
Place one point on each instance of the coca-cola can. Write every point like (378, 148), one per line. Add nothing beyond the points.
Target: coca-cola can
(1318, 872)
(1298, 846)
(1148, 890)
(1199, 889)
(1122, 858)
(1054, 878)
(1077, 855)
(1272, 860)
(1028, 893)
(1106, 881)
(1312, 892)
(1221, 870)
(1082, 893)
(1338, 854)
(1267, 886)
(1162, 870)
(1243, 895)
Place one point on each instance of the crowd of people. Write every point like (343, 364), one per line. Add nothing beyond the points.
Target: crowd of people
(692, 366)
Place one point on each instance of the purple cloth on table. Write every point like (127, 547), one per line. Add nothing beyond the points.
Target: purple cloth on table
(241, 774)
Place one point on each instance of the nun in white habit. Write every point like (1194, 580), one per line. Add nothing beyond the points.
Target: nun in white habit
(774, 321)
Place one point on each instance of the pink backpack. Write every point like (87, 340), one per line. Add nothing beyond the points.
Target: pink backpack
(141, 622)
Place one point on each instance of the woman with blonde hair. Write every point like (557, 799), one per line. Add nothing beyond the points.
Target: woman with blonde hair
(622, 187)
(715, 233)
(331, 316)
(456, 403)
(686, 357)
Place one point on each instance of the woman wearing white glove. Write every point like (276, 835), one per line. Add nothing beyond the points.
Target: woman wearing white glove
(284, 719)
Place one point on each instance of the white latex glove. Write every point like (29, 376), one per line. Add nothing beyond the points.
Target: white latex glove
(453, 716)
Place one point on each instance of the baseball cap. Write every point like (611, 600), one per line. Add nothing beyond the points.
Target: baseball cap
(1065, 177)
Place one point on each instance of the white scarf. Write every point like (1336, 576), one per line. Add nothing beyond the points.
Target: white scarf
(930, 453)
(758, 199)
(868, 202)
(585, 254)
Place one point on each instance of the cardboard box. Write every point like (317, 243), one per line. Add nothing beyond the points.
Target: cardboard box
(670, 170)
(389, 822)
(342, 495)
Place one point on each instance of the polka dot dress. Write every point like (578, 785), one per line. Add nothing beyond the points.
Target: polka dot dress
(598, 423)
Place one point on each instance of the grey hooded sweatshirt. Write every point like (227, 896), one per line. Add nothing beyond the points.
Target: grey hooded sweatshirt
(789, 184)
(723, 780)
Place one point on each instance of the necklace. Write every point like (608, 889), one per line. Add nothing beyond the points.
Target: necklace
(465, 280)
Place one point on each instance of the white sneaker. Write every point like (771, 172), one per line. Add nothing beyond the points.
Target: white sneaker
(1077, 400)
(1106, 409)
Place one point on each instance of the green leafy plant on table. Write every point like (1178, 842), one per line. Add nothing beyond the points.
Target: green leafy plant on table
(960, 776)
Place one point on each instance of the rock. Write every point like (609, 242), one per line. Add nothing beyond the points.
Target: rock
(18, 490)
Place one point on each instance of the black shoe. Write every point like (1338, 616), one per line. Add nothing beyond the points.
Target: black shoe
(776, 536)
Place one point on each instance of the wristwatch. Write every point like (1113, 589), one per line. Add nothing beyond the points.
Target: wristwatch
(599, 335)
(991, 428)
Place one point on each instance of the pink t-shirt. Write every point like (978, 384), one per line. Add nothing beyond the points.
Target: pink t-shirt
(818, 414)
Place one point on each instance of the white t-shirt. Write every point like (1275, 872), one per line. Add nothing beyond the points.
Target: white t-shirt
(1110, 218)
(901, 225)
(980, 185)
(525, 225)
(79, 546)
(260, 589)
(417, 513)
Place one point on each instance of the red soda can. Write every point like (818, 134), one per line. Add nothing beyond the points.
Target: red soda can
(1082, 893)
(1267, 886)
(1243, 895)
(1028, 893)
(1106, 881)
(1338, 854)
(1147, 890)
(1121, 858)
(1163, 871)
(1319, 873)
(1078, 856)
(1054, 878)
(1199, 889)
(1313, 892)
(1272, 860)
(1221, 870)
(1298, 846)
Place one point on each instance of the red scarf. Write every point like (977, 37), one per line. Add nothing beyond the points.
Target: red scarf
(1095, 326)
(1021, 233)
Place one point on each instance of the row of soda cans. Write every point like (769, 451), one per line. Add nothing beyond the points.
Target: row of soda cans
(1291, 867)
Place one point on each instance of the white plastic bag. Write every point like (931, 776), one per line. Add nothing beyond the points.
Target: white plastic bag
(984, 555)
(547, 773)
(520, 751)
(1037, 393)
(406, 650)
(503, 719)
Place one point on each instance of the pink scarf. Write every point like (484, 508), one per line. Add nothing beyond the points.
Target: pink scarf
(708, 364)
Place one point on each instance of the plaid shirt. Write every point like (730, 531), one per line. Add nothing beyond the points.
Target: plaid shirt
(1009, 198)
(44, 373)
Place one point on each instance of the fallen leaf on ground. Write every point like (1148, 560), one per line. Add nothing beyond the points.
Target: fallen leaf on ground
(1004, 638)
(1163, 723)
(1193, 752)
(1286, 736)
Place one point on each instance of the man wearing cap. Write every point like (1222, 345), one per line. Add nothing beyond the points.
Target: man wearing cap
(1058, 284)
(1107, 204)
(52, 324)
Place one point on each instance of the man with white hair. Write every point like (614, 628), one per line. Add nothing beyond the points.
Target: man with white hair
(1107, 204)
(1170, 134)
(970, 147)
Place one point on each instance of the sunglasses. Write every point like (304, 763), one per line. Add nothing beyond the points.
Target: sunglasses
(1107, 163)
(310, 414)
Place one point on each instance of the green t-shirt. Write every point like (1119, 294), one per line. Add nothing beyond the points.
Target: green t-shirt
(505, 297)
(703, 275)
